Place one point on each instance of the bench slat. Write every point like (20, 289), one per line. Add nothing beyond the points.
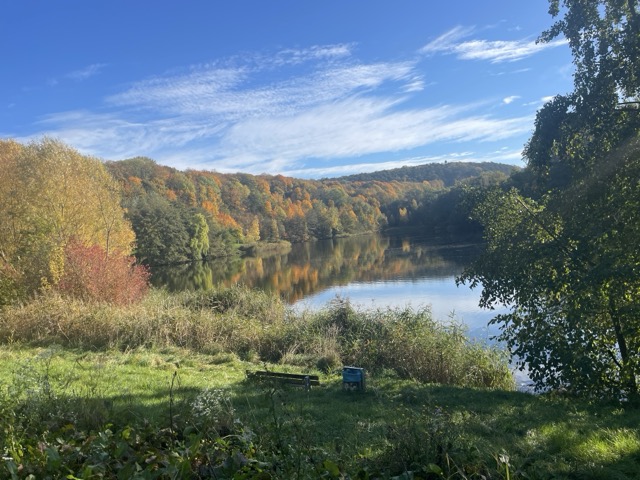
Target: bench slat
(261, 373)
(291, 378)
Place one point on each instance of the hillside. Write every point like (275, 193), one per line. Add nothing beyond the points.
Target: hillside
(182, 216)
(448, 173)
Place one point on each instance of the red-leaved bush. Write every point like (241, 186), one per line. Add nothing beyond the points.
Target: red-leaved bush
(91, 274)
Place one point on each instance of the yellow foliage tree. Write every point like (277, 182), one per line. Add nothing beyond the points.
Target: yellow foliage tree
(253, 232)
(50, 194)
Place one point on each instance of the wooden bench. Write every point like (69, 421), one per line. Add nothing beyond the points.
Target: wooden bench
(298, 379)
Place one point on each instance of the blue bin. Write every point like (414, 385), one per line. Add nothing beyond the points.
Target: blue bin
(353, 378)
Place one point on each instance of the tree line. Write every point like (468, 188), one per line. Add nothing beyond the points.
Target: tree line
(183, 216)
(449, 174)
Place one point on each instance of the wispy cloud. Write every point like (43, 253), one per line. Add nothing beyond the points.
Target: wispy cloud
(276, 113)
(318, 52)
(494, 51)
(540, 102)
(111, 136)
(86, 72)
(510, 99)
(415, 84)
(79, 75)
(444, 42)
(360, 126)
(232, 93)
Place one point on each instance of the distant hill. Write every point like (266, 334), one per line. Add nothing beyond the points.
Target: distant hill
(448, 173)
(183, 216)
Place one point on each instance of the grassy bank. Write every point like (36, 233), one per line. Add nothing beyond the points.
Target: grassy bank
(257, 327)
(265, 248)
(159, 390)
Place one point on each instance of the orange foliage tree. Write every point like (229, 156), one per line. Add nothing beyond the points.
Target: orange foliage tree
(92, 274)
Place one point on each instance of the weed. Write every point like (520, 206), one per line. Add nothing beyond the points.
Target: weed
(212, 410)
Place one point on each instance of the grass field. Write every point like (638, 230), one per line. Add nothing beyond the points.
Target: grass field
(176, 413)
(159, 390)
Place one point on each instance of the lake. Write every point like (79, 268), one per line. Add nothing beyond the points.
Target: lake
(372, 271)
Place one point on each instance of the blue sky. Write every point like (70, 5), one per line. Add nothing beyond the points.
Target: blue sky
(308, 89)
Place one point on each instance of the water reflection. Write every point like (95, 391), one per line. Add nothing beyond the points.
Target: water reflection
(371, 270)
(311, 267)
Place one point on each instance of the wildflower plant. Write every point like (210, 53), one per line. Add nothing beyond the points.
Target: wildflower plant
(212, 410)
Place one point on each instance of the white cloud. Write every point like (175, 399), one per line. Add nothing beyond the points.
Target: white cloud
(319, 52)
(360, 126)
(495, 51)
(445, 41)
(512, 72)
(415, 84)
(204, 87)
(510, 99)
(86, 72)
(502, 51)
(540, 102)
(230, 94)
(110, 136)
(273, 114)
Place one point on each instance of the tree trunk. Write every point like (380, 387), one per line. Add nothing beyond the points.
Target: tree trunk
(628, 368)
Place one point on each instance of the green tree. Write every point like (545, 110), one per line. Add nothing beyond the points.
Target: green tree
(566, 260)
(199, 242)
(271, 231)
(253, 232)
(162, 230)
(574, 132)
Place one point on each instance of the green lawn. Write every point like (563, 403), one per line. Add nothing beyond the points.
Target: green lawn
(283, 432)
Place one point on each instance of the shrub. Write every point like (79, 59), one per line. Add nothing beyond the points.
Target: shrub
(11, 286)
(409, 342)
(159, 320)
(92, 274)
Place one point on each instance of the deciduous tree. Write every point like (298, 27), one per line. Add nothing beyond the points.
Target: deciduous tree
(50, 193)
(566, 261)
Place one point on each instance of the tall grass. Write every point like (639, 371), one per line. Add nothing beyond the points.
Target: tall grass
(258, 327)
(410, 343)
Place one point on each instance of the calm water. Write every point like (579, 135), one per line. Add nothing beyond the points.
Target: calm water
(372, 271)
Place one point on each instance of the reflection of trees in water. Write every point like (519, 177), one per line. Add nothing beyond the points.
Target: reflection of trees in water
(312, 267)
(198, 275)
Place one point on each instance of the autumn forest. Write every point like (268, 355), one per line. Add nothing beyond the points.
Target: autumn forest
(60, 205)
